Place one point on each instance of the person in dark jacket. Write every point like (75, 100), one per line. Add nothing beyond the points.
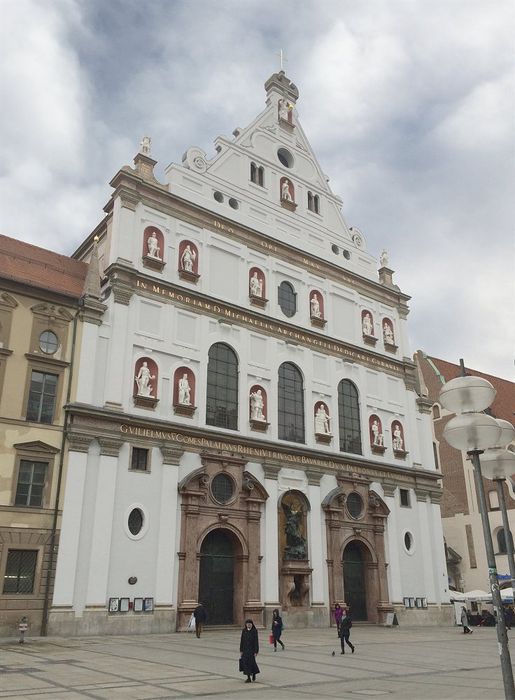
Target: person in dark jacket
(200, 616)
(249, 649)
(344, 631)
(277, 628)
(338, 614)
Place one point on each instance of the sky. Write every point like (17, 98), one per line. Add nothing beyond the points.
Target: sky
(409, 106)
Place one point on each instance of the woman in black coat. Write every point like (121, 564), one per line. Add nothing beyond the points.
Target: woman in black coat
(277, 628)
(249, 649)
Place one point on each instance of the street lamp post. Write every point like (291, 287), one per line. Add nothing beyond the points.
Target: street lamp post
(474, 432)
(498, 464)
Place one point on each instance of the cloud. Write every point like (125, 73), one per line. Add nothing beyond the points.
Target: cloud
(409, 107)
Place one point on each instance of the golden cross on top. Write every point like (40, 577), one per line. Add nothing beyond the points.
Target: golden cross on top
(282, 59)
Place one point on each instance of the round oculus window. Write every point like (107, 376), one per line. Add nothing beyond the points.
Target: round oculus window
(48, 342)
(222, 488)
(408, 541)
(218, 196)
(285, 157)
(354, 505)
(135, 521)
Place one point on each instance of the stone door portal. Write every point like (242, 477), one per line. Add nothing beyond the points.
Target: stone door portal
(216, 585)
(354, 581)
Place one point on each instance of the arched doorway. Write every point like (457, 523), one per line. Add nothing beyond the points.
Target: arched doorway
(354, 580)
(216, 585)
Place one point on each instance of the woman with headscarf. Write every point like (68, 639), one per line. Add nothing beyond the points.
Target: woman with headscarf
(249, 649)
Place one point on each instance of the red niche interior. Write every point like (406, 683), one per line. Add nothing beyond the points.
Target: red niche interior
(397, 426)
(371, 420)
(387, 322)
(320, 302)
(261, 277)
(291, 188)
(363, 314)
(160, 241)
(190, 376)
(192, 254)
(255, 388)
(154, 375)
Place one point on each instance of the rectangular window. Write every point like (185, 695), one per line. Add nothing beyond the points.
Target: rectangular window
(31, 482)
(404, 496)
(139, 459)
(20, 571)
(42, 395)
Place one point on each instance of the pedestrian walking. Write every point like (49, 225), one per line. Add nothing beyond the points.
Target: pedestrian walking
(200, 616)
(277, 628)
(249, 649)
(344, 632)
(338, 614)
(465, 621)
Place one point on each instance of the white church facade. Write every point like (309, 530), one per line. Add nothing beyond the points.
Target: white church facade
(246, 430)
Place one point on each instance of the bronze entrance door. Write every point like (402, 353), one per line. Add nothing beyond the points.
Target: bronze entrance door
(354, 581)
(216, 587)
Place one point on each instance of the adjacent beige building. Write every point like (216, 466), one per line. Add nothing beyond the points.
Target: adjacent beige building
(39, 303)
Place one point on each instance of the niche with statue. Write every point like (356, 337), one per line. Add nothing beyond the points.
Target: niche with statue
(293, 548)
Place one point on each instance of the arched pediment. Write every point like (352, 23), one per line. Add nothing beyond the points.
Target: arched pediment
(7, 301)
(335, 500)
(251, 484)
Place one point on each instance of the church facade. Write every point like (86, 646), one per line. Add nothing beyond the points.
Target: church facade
(247, 430)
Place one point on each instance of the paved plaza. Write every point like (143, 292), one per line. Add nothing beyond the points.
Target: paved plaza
(396, 663)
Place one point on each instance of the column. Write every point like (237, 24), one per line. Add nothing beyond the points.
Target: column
(167, 544)
(116, 364)
(439, 569)
(69, 551)
(316, 545)
(394, 571)
(427, 553)
(271, 549)
(102, 526)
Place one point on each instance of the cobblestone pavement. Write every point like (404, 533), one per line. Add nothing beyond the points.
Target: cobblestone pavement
(412, 663)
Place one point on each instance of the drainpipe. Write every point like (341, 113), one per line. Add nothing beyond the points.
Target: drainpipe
(53, 534)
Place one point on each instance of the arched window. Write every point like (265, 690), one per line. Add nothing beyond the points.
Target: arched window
(348, 414)
(287, 299)
(501, 541)
(316, 203)
(222, 387)
(291, 403)
(257, 174)
(310, 202)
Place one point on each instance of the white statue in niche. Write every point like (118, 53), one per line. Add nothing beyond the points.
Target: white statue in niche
(378, 438)
(284, 110)
(257, 405)
(322, 421)
(315, 307)
(143, 379)
(153, 246)
(188, 258)
(388, 334)
(184, 390)
(285, 191)
(367, 326)
(397, 441)
(383, 259)
(256, 285)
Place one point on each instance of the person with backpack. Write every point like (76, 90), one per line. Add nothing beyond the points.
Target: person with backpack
(344, 631)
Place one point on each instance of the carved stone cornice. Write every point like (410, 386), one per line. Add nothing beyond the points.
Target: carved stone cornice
(92, 310)
(313, 476)
(421, 494)
(171, 455)
(271, 470)
(424, 404)
(128, 199)
(436, 496)
(388, 488)
(109, 446)
(78, 442)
